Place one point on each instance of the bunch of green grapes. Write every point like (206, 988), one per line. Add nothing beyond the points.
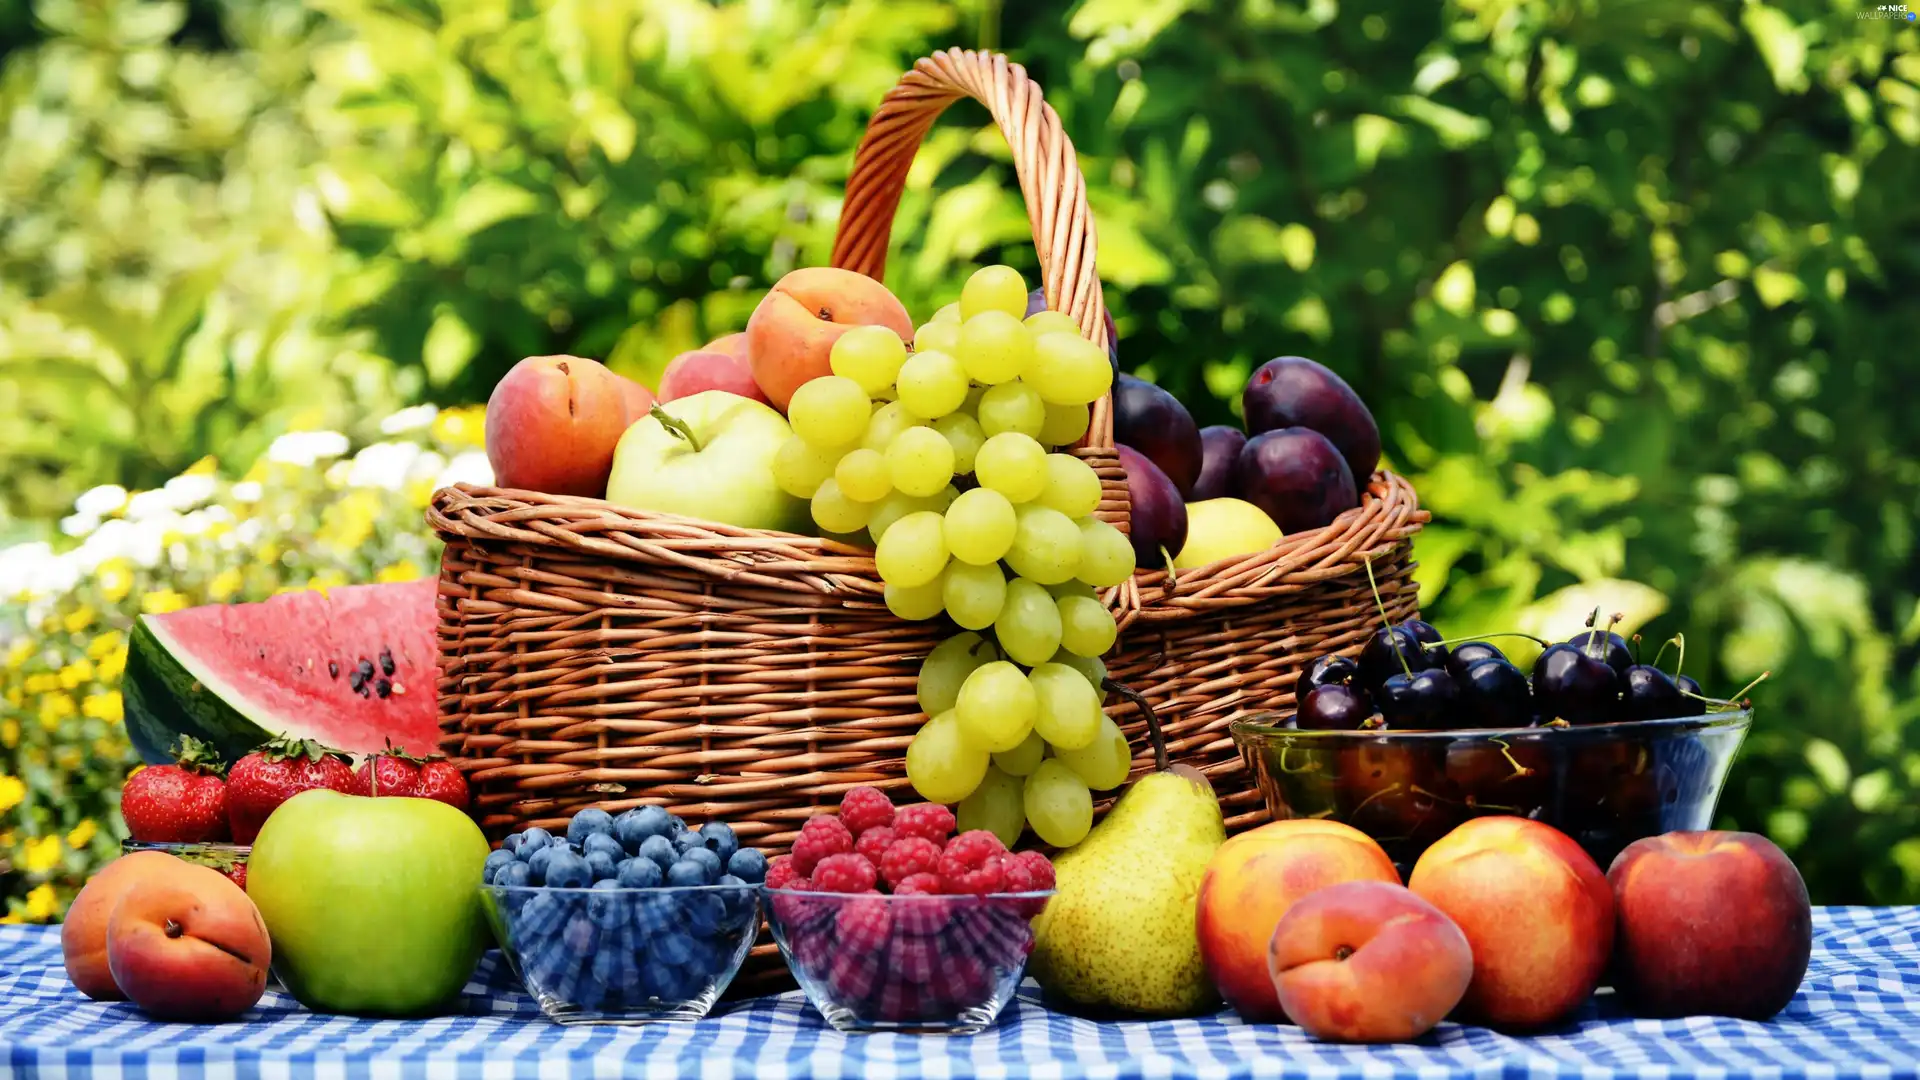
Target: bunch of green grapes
(948, 458)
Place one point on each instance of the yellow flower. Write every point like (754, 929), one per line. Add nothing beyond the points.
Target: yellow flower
(206, 466)
(82, 834)
(224, 584)
(161, 601)
(348, 523)
(41, 854)
(79, 618)
(267, 554)
(12, 791)
(12, 920)
(67, 758)
(466, 425)
(113, 664)
(18, 652)
(42, 682)
(116, 580)
(55, 708)
(9, 738)
(404, 570)
(41, 903)
(77, 673)
(104, 706)
(103, 644)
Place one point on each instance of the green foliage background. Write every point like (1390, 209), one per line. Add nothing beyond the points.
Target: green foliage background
(1628, 282)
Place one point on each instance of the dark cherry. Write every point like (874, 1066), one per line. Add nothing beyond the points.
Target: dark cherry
(1332, 669)
(1613, 649)
(1334, 707)
(1652, 695)
(1576, 687)
(1383, 653)
(1429, 639)
(1494, 693)
(1686, 685)
(1465, 656)
(1425, 699)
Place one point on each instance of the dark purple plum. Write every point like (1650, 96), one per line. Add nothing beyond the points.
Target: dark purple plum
(1378, 658)
(1607, 646)
(1575, 687)
(1293, 391)
(1470, 653)
(1037, 301)
(1334, 708)
(1219, 450)
(1494, 693)
(1153, 421)
(1297, 477)
(1651, 695)
(1424, 699)
(1157, 516)
(1332, 669)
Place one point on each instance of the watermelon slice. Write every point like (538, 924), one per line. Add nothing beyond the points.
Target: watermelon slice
(350, 667)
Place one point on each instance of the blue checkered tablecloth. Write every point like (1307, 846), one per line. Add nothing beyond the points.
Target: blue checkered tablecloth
(1857, 1015)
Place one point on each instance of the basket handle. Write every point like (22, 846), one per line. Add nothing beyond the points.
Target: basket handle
(1043, 159)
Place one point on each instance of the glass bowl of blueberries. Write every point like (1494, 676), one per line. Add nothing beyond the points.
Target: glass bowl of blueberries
(1417, 734)
(624, 920)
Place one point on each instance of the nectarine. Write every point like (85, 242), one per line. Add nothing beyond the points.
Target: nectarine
(734, 345)
(1368, 961)
(552, 424)
(704, 369)
(83, 935)
(1252, 882)
(189, 946)
(791, 333)
(639, 400)
(1709, 924)
(1536, 910)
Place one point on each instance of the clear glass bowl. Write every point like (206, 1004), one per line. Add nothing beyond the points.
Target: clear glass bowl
(941, 965)
(1605, 785)
(229, 859)
(624, 956)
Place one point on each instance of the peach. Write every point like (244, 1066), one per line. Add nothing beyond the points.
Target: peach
(702, 369)
(1709, 924)
(83, 935)
(731, 344)
(1252, 882)
(552, 424)
(1368, 961)
(1536, 910)
(791, 333)
(189, 946)
(638, 399)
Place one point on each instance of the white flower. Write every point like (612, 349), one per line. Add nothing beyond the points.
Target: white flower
(78, 524)
(412, 419)
(382, 465)
(187, 492)
(426, 466)
(100, 501)
(25, 568)
(245, 491)
(303, 448)
(471, 467)
(148, 504)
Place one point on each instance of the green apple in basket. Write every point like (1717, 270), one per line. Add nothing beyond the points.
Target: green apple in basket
(707, 456)
(373, 904)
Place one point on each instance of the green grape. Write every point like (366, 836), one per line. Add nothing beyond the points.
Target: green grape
(1012, 406)
(974, 595)
(980, 526)
(869, 355)
(1075, 587)
(994, 347)
(1086, 626)
(972, 404)
(1067, 369)
(1046, 545)
(799, 467)
(993, 288)
(940, 765)
(946, 667)
(829, 411)
(862, 475)
(919, 603)
(1058, 805)
(998, 805)
(1065, 424)
(948, 314)
(1022, 759)
(1073, 488)
(836, 513)
(1069, 713)
(913, 551)
(1106, 556)
(1103, 763)
(932, 384)
(920, 461)
(939, 335)
(1013, 465)
(996, 707)
(888, 422)
(1048, 321)
(894, 507)
(965, 436)
(1029, 624)
(1092, 668)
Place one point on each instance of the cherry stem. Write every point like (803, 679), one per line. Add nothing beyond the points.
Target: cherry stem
(1384, 620)
(1154, 737)
(1635, 642)
(675, 426)
(1451, 642)
(1735, 700)
(1662, 652)
(1680, 663)
(1506, 751)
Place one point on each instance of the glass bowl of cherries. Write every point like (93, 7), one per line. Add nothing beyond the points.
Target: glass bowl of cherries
(1415, 734)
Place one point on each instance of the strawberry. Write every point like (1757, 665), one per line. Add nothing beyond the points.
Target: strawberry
(442, 780)
(182, 803)
(261, 781)
(390, 772)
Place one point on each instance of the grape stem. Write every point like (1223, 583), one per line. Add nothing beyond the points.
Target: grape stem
(675, 426)
(1154, 737)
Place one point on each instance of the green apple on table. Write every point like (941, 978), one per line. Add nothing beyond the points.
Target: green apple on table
(707, 456)
(373, 904)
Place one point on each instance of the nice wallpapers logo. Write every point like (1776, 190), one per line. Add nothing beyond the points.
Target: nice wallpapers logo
(1889, 11)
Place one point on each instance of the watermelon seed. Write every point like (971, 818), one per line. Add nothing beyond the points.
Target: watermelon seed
(398, 689)
(386, 661)
(382, 687)
(333, 669)
(357, 680)
(365, 670)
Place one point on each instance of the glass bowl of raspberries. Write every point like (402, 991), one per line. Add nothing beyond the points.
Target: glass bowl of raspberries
(890, 922)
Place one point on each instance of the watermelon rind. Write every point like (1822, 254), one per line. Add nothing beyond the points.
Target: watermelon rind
(167, 696)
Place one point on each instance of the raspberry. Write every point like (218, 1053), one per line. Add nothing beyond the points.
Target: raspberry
(781, 873)
(844, 873)
(865, 808)
(863, 925)
(983, 880)
(918, 884)
(874, 842)
(909, 856)
(1029, 871)
(915, 959)
(928, 821)
(820, 837)
(969, 851)
(853, 975)
(924, 915)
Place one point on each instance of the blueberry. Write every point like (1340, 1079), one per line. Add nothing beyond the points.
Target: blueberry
(686, 841)
(747, 864)
(675, 826)
(708, 860)
(687, 873)
(603, 866)
(495, 861)
(514, 876)
(603, 842)
(580, 934)
(640, 874)
(541, 916)
(565, 870)
(702, 913)
(586, 823)
(633, 827)
(605, 907)
(535, 838)
(660, 850)
(654, 917)
(513, 841)
(738, 898)
(672, 949)
(614, 968)
(719, 839)
(543, 859)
